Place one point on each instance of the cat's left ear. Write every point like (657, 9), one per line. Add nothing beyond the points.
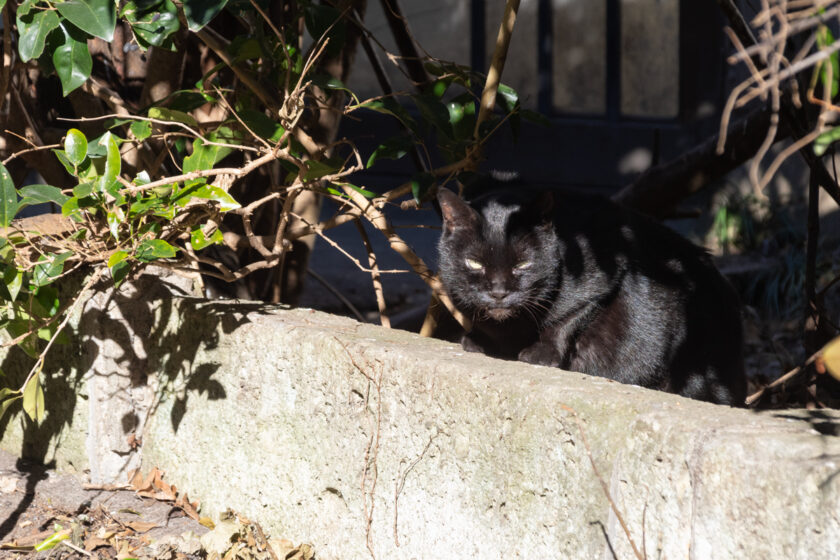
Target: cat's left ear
(455, 212)
(541, 207)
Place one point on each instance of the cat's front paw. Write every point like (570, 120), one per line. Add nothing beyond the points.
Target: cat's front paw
(470, 344)
(540, 354)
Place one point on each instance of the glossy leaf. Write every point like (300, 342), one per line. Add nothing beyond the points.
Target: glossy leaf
(199, 240)
(262, 125)
(507, 98)
(393, 148)
(46, 302)
(202, 158)
(72, 61)
(13, 279)
(164, 114)
(48, 269)
(8, 397)
(326, 21)
(33, 398)
(97, 17)
(434, 112)
(421, 183)
(317, 169)
(120, 266)
(152, 249)
(113, 163)
(217, 194)
(8, 197)
(155, 26)
(39, 194)
(826, 139)
(141, 129)
(824, 40)
(389, 106)
(33, 27)
(114, 219)
(200, 12)
(75, 146)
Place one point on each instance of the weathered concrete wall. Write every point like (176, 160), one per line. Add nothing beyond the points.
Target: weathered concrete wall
(359, 439)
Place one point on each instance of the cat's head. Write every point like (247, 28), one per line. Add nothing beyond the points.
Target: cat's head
(498, 257)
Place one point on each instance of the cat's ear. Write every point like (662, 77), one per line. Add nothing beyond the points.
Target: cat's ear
(455, 212)
(541, 208)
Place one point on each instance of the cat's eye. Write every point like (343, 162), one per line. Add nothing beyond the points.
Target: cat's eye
(473, 264)
(523, 265)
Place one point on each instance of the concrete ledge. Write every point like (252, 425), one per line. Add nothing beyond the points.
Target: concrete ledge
(363, 441)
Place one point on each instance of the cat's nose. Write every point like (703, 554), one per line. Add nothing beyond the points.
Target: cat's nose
(498, 294)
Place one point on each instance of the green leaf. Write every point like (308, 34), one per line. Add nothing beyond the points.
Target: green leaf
(13, 278)
(141, 129)
(164, 114)
(317, 169)
(152, 249)
(323, 20)
(200, 12)
(360, 190)
(199, 240)
(8, 197)
(113, 163)
(389, 106)
(120, 266)
(114, 219)
(72, 61)
(155, 25)
(7, 398)
(535, 117)
(420, 185)
(48, 268)
(211, 192)
(97, 17)
(46, 302)
(33, 397)
(116, 258)
(434, 111)
(262, 125)
(824, 40)
(33, 28)
(826, 139)
(38, 194)
(75, 146)
(82, 190)
(202, 158)
(507, 98)
(327, 82)
(392, 148)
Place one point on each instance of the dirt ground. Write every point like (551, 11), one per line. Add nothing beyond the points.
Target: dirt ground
(44, 515)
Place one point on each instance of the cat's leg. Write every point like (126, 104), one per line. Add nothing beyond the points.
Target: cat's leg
(472, 342)
(541, 354)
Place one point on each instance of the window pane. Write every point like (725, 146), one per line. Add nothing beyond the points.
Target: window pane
(650, 34)
(579, 56)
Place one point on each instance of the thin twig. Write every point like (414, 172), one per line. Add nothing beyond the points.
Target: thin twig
(783, 379)
(330, 288)
(604, 486)
(374, 276)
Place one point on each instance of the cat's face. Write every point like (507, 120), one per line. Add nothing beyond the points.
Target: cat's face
(500, 260)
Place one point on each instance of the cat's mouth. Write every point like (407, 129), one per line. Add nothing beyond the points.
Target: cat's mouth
(499, 313)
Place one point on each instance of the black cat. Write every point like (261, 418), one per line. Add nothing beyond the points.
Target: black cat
(579, 282)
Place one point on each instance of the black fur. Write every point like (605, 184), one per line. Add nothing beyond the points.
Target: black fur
(579, 282)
